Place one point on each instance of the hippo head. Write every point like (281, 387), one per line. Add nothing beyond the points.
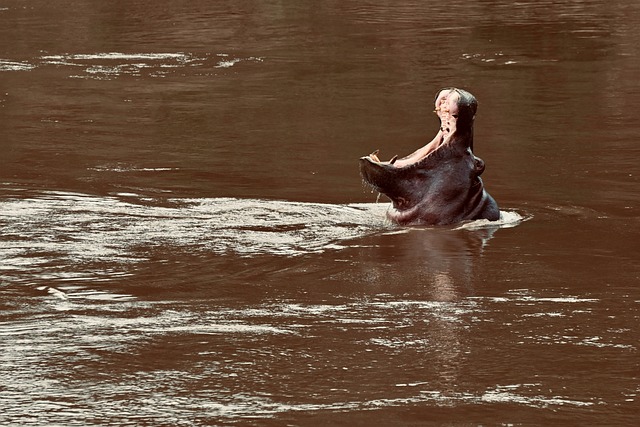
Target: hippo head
(439, 183)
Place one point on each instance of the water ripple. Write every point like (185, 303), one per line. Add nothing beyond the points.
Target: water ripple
(110, 65)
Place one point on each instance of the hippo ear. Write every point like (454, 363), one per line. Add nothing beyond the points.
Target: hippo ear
(478, 165)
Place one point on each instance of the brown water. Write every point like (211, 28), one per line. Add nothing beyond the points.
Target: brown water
(185, 239)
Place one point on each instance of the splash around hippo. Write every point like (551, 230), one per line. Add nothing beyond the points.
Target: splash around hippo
(440, 183)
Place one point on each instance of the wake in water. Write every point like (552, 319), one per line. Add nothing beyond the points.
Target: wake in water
(60, 241)
(72, 237)
(83, 227)
(63, 236)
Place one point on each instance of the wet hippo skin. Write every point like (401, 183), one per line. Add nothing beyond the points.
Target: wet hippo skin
(440, 183)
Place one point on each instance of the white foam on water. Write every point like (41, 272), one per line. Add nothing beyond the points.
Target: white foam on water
(8, 65)
(507, 219)
(117, 56)
(110, 65)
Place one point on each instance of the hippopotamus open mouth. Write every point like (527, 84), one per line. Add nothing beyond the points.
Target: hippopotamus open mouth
(439, 183)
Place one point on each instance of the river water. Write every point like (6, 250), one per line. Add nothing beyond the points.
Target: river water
(185, 239)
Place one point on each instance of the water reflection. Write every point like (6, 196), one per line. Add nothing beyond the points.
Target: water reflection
(438, 261)
(438, 266)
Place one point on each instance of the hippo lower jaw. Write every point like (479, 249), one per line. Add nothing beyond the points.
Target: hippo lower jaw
(444, 195)
(439, 183)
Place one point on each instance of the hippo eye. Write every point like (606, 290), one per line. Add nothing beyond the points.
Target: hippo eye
(455, 116)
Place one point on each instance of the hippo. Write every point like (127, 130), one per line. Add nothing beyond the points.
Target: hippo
(438, 184)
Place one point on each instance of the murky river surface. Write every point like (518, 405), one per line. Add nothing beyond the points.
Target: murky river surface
(185, 239)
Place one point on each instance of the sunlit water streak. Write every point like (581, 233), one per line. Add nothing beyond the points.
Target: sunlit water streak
(110, 65)
(221, 344)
